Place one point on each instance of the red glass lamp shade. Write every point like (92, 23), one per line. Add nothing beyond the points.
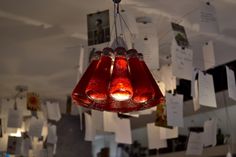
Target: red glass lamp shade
(97, 87)
(143, 90)
(120, 85)
(158, 95)
(128, 86)
(78, 94)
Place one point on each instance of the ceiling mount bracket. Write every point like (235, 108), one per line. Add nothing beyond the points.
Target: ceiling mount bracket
(116, 1)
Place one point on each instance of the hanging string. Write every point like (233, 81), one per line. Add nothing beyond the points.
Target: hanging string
(180, 20)
(115, 17)
(131, 34)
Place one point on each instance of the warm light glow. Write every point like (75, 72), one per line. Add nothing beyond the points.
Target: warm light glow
(17, 134)
(120, 85)
(121, 96)
(143, 90)
(96, 89)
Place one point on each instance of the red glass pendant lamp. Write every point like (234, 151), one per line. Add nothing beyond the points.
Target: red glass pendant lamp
(118, 81)
(122, 85)
(78, 95)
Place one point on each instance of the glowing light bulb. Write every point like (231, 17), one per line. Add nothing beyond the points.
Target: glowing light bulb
(78, 95)
(142, 86)
(97, 87)
(120, 86)
(158, 95)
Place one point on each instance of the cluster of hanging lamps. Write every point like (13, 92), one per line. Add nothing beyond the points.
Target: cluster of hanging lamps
(117, 81)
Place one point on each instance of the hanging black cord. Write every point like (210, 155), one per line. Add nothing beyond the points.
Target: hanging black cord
(115, 15)
(121, 27)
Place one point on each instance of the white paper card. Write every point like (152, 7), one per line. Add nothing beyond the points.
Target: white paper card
(109, 121)
(193, 90)
(81, 61)
(210, 131)
(53, 111)
(231, 83)
(208, 19)
(196, 105)
(90, 131)
(182, 61)
(14, 119)
(22, 105)
(162, 87)
(195, 144)
(123, 131)
(208, 55)
(206, 90)
(154, 140)
(6, 104)
(97, 118)
(147, 44)
(36, 127)
(174, 104)
(52, 134)
(166, 76)
(166, 133)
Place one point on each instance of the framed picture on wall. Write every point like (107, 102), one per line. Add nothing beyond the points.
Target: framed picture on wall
(98, 26)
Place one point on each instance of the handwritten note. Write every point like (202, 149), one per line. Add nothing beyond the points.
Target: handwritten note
(21, 103)
(147, 43)
(208, 55)
(195, 144)
(166, 133)
(154, 137)
(174, 105)
(90, 131)
(15, 119)
(109, 121)
(6, 105)
(182, 61)
(206, 90)
(53, 109)
(52, 134)
(36, 127)
(231, 83)
(208, 19)
(97, 118)
(166, 76)
(210, 131)
(123, 131)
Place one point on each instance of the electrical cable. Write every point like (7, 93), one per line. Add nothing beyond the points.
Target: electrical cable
(115, 16)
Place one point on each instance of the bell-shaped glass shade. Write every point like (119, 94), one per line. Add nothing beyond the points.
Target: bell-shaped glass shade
(158, 95)
(120, 88)
(97, 87)
(142, 85)
(78, 94)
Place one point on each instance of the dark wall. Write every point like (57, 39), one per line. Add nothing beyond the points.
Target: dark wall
(71, 139)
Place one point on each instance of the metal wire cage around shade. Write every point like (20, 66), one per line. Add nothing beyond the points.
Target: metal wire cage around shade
(117, 81)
